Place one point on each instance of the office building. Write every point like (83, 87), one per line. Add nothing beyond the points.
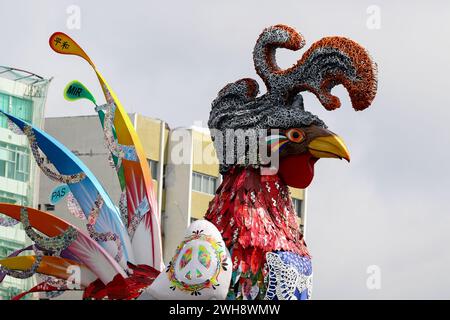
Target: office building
(22, 94)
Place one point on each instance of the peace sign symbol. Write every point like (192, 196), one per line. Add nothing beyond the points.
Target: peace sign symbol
(196, 263)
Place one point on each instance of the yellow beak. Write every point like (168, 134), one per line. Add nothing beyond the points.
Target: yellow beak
(330, 146)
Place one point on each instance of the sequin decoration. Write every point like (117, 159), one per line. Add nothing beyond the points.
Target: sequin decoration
(54, 294)
(54, 244)
(132, 226)
(255, 215)
(142, 208)
(25, 273)
(7, 221)
(53, 281)
(74, 207)
(110, 141)
(111, 161)
(13, 127)
(138, 215)
(102, 236)
(42, 162)
(60, 285)
(118, 150)
(123, 208)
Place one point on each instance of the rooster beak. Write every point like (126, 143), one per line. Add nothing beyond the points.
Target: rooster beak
(330, 146)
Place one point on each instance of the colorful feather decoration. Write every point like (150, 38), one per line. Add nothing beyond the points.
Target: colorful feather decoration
(143, 219)
(80, 245)
(63, 166)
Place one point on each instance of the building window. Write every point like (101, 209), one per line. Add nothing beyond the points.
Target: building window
(13, 198)
(153, 168)
(49, 207)
(3, 252)
(204, 183)
(14, 162)
(297, 206)
(4, 106)
(22, 108)
(18, 107)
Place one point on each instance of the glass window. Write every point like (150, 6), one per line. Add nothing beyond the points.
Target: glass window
(209, 185)
(4, 154)
(12, 198)
(196, 182)
(22, 108)
(22, 167)
(2, 168)
(154, 168)
(49, 207)
(4, 102)
(203, 183)
(10, 172)
(14, 162)
(213, 185)
(19, 107)
(204, 187)
(4, 106)
(297, 206)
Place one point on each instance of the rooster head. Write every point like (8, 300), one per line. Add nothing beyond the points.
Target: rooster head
(295, 135)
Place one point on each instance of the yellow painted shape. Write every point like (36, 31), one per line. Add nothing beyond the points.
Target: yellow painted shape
(52, 266)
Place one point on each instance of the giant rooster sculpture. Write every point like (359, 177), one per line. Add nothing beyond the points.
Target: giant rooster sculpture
(249, 246)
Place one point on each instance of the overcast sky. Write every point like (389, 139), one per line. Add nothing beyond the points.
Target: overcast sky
(389, 207)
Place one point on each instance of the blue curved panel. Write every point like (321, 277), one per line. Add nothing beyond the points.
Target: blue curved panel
(85, 191)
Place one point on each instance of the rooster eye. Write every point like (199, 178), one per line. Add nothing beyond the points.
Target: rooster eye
(295, 135)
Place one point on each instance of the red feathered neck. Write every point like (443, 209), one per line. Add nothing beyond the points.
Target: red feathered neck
(255, 215)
